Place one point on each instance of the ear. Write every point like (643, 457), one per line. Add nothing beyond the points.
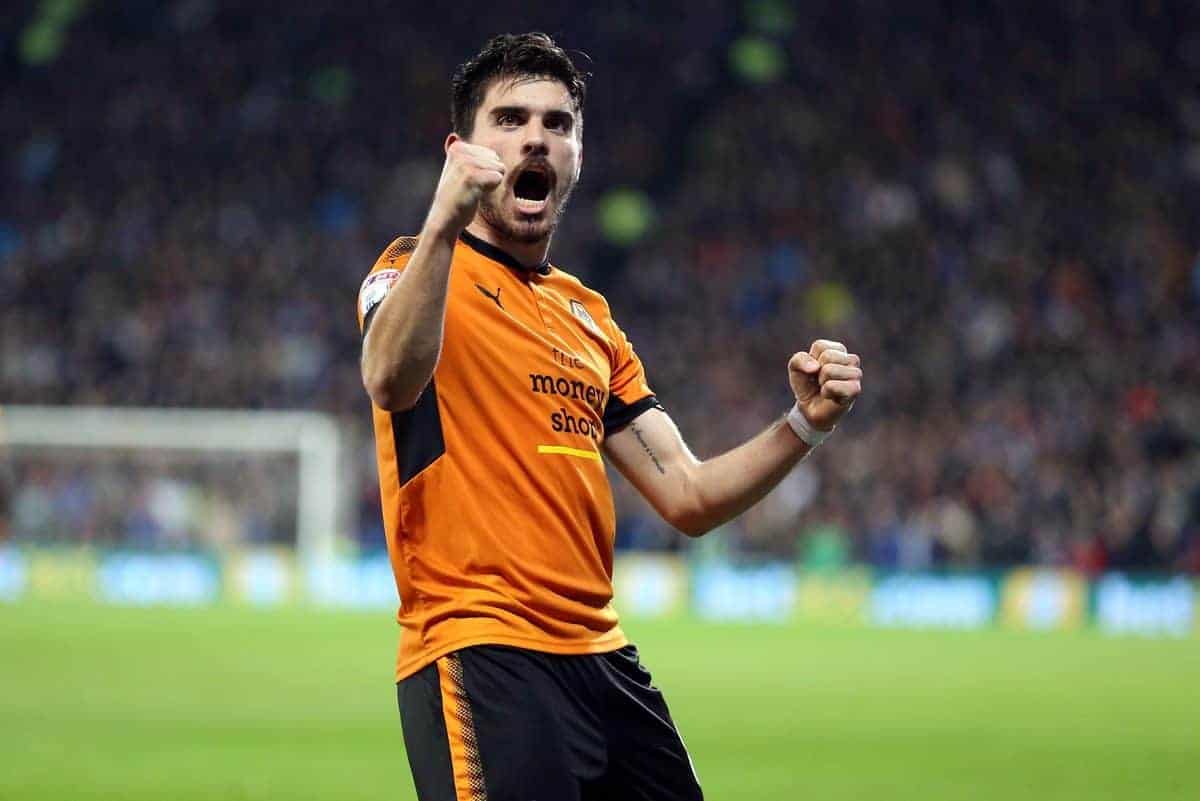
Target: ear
(450, 139)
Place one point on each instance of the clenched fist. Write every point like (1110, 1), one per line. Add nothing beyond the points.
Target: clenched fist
(470, 172)
(826, 380)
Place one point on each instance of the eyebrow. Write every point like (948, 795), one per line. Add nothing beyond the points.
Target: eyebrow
(551, 112)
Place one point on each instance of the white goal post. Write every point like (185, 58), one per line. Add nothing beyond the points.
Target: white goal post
(314, 438)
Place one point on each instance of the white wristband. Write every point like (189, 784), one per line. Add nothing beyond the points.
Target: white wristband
(810, 436)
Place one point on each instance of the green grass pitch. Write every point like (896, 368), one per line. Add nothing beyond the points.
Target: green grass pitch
(228, 703)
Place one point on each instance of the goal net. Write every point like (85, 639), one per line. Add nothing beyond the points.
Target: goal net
(136, 481)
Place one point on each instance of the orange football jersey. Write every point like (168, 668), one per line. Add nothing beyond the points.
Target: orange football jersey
(498, 512)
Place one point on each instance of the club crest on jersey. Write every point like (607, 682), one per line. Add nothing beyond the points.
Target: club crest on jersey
(580, 311)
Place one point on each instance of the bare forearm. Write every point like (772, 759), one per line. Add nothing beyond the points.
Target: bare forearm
(404, 342)
(723, 487)
(696, 496)
(402, 347)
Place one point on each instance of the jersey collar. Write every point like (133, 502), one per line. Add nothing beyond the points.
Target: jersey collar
(496, 254)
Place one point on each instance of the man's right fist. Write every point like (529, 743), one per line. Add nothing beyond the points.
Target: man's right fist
(470, 172)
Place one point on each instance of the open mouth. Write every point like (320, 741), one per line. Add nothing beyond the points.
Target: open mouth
(531, 188)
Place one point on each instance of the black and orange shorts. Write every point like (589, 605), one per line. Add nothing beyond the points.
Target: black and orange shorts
(495, 723)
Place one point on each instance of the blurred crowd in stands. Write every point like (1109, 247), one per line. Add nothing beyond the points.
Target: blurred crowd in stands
(152, 500)
(997, 209)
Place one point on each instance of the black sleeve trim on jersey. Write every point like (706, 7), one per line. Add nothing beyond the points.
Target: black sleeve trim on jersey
(417, 435)
(618, 413)
(367, 320)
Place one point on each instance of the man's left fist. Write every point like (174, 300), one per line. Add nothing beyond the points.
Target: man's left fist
(827, 380)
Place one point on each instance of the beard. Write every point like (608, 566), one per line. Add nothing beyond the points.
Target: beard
(518, 228)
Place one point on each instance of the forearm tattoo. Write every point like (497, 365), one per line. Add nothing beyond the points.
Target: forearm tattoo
(649, 451)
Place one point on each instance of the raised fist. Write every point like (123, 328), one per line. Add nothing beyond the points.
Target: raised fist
(470, 172)
(826, 381)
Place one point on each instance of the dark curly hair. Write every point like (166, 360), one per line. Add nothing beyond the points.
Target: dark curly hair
(533, 55)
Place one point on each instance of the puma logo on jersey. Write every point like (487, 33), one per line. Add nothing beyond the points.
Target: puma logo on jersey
(495, 297)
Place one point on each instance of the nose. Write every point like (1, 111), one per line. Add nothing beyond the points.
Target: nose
(535, 139)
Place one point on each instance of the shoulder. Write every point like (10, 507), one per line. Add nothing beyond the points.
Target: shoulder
(383, 274)
(574, 289)
(396, 255)
(393, 259)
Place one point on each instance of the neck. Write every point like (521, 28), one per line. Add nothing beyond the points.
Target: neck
(530, 254)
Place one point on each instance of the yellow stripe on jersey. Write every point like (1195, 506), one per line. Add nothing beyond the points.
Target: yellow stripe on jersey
(565, 451)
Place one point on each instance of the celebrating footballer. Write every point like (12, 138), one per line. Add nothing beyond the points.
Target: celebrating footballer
(500, 384)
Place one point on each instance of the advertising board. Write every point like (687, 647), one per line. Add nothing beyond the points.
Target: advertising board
(1043, 599)
(1144, 606)
(934, 601)
(762, 593)
(143, 579)
(650, 585)
(13, 574)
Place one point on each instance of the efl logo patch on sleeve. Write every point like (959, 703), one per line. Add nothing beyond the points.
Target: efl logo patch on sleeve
(374, 289)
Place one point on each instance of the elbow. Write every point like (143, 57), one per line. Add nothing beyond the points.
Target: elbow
(386, 395)
(687, 510)
(692, 527)
(396, 385)
(690, 519)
